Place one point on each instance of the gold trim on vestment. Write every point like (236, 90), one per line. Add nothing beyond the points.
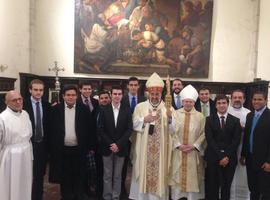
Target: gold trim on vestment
(153, 157)
(183, 181)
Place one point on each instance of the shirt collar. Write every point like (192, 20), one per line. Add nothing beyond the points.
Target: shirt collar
(175, 95)
(260, 111)
(84, 98)
(207, 104)
(130, 96)
(225, 115)
(33, 100)
(116, 107)
(66, 106)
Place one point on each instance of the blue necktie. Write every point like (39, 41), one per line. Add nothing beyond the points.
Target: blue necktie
(178, 103)
(251, 137)
(133, 104)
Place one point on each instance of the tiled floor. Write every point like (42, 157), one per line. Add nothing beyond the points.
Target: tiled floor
(52, 191)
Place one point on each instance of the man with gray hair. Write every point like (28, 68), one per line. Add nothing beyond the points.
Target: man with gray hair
(15, 150)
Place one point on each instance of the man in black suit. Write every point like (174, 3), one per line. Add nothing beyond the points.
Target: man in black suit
(38, 111)
(204, 104)
(69, 144)
(131, 100)
(223, 133)
(103, 100)
(86, 98)
(177, 87)
(114, 129)
(256, 148)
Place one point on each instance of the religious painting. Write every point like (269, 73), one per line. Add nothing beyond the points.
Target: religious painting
(139, 37)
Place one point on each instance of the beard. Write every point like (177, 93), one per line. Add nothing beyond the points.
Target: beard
(237, 104)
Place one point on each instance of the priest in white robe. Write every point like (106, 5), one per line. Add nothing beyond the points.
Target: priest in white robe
(187, 168)
(152, 148)
(239, 188)
(15, 150)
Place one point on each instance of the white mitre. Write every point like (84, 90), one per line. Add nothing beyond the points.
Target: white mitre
(189, 92)
(154, 82)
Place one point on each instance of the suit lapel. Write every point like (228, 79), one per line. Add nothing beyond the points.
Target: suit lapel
(62, 117)
(111, 116)
(119, 116)
(31, 113)
(260, 120)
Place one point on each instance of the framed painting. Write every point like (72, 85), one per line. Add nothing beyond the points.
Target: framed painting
(138, 37)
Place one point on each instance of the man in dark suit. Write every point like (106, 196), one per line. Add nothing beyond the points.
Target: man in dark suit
(204, 104)
(223, 133)
(38, 111)
(86, 98)
(131, 100)
(115, 127)
(69, 144)
(103, 100)
(256, 148)
(177, 87)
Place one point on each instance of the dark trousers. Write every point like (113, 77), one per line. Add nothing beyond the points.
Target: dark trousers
(258, 181)
(219, 177)
(99, 181)
(73, 171)
(39, 168)
(125, 168)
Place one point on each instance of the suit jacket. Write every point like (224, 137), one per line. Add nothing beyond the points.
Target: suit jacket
(261, 140)
(125, 100)
(93, 101)
(94, 114)
(211, 104)
(83, 128)
(40, 151)
(110, 134)
(222, 142)
(46, 108)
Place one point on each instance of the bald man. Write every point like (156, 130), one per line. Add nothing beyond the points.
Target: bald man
(15, 150)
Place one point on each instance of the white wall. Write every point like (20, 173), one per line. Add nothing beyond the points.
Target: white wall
(14, 37)
(51, 29)
(233, 39)
(263, 69)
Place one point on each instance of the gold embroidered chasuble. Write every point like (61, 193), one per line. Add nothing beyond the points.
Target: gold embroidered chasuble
(151, 152)
(187, 168)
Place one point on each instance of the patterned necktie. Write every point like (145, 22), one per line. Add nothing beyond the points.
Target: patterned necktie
(251, 137)
(89, 104)
(133, 104)
(222, 123)
(178, 103)
(38, 128)
(204, 110)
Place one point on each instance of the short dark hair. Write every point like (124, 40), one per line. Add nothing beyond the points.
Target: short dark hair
(35, 81)
(133, 78)
(104, 92)
(70, 87)
(260, 92)
(84, 82)
(116, 87)
(177, 79)
(221, 97)
(204, 88)
(238, 90)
